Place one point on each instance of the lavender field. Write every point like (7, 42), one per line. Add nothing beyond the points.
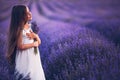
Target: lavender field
(80, 38)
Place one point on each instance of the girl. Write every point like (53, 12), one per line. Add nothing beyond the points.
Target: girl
(21, 46)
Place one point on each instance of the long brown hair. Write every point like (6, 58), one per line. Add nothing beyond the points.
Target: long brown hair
(18, 19)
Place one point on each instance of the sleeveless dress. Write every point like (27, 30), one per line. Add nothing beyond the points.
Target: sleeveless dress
(28, 64)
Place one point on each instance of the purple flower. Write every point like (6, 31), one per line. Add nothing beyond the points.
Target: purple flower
(34, 27)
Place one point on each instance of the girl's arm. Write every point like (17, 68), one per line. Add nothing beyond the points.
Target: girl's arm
(32, 35)
(38, 39)
(22, 46)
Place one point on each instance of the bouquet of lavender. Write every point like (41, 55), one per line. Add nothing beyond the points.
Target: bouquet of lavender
(35, 29)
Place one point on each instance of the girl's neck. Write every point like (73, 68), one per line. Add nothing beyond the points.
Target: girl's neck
(26, 26)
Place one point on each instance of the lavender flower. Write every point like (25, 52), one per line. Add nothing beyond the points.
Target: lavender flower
(35, 29)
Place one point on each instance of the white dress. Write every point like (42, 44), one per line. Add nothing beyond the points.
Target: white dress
(28, 64)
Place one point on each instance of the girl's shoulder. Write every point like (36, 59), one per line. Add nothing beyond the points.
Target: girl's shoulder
(24, 31)
(30, 26)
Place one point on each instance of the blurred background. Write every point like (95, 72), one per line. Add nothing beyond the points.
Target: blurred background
(80, 38)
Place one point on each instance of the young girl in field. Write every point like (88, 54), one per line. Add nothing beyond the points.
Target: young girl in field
(21, 46)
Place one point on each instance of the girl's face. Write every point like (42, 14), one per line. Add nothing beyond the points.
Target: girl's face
(29, 15)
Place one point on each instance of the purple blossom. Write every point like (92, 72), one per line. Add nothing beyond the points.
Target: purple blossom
(34, 27)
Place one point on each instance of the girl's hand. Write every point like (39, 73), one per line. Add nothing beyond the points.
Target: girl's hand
(31, 35)
(36, 44)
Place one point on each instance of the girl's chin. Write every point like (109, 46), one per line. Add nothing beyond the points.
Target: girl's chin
(30, 19)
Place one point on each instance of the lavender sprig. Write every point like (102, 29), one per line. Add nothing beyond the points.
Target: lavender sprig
(35, 29)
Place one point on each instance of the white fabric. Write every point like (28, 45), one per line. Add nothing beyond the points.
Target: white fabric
(27, 62)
